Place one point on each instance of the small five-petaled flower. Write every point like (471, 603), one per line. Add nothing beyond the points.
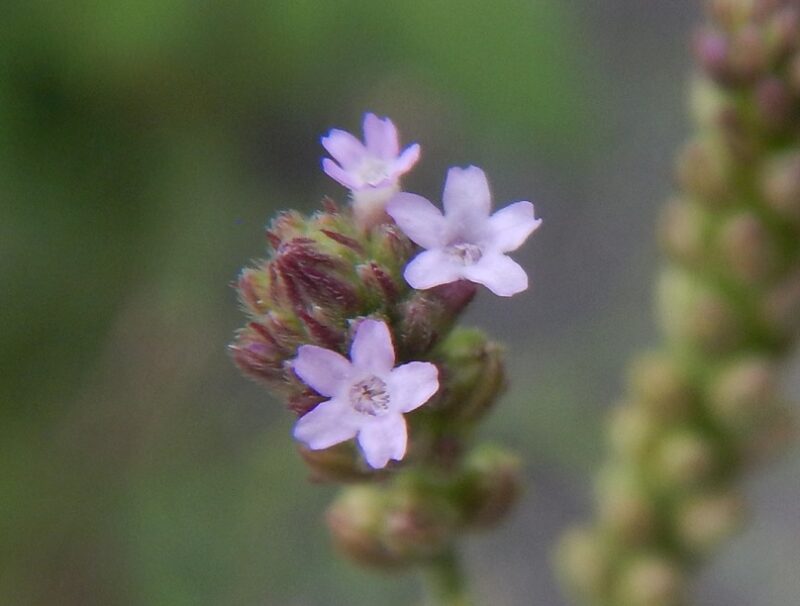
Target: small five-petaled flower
(376, 163)
(465, 242)
(368, 394)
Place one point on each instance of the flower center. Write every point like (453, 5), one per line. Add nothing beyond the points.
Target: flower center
(373, 171)
(370, 396)
(465, 253)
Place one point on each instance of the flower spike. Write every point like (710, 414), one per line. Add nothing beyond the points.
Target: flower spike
(465, 243)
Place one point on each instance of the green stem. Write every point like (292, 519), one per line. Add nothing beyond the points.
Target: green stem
(445, 581)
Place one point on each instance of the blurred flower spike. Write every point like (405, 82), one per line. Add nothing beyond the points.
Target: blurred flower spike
(368, 395)
(465, 243)
(371, 170)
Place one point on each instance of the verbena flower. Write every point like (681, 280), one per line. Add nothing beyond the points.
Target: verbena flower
(465, 243)
(371, 170)
(368, 395)
(375, 163)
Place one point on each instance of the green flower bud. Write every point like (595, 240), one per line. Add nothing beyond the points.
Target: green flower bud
(420, 521)
(490, 486)
(742, 394)
(658, 385)
(781, 308)
(584, 561)
(703, 521)
(708, 101)
(632, 430)
(651, 581)
(624, 507)
(749, 53)
(683, 231)
(747, 249)
(684, 459)
(772, 438)
(427, 316)
(781, 30)
(339, 463)
(693, 314)
(793, 73)
(356, 521)
(703, 170)
(472, 377)
(774, 104)
(731, 13)
(780, 186)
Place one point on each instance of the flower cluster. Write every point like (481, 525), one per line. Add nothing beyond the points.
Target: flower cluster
(383, 279)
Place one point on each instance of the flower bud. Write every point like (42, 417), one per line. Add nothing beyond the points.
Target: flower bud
(774, 104)
(584, 561)
(793, 73)
(780, 186)
(624, 507)
(322, 273)
(356, 520)
(747, 249)
(684, 459)
(781, 31)
(731, 13)
(703, 521)
(708, 102)
(660, 387)
(473, 375)
(682, 231)
(693, 314)
(651, 581)
(712, 50)
(781, 308)
(772, 438)
(632, 430)
(749, 53)
(743, 393)
(427, 316)
(703, 172)
(490, 486)
(339, 463)
(419, 523)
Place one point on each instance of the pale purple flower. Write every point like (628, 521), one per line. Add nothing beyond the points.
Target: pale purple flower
(465, 243)
(371, 170)
(375, 163)
(368, 395)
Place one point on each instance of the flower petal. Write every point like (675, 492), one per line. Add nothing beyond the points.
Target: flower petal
(499, 273)
(418, 219)
(406, 160)
(383, 439)
(412, 384)
(345, 148)
(510, 226)
(466, 193)
(372, 348)
(328, 423)
(380, 135)
(321, 369)
(431, 268)
(337, 173)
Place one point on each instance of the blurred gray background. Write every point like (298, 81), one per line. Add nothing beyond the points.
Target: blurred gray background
(144, 146)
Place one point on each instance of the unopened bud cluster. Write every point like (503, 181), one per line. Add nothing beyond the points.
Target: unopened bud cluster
(351, 320)
(705, 405)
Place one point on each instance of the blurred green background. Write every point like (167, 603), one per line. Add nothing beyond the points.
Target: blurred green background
(143, 147)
